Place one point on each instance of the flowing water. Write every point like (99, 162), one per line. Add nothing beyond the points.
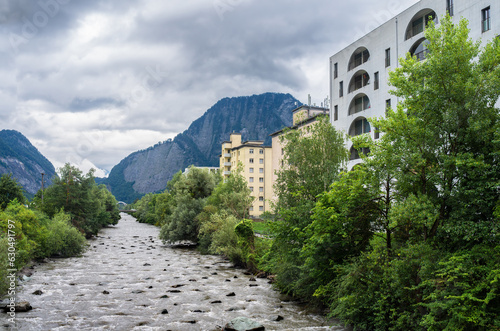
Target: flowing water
(128, 280)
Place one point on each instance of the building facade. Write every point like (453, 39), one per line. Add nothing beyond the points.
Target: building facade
(303, 117)
(359, 73)
(255, 159)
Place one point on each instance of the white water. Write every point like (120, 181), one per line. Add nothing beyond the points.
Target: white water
(130, 263)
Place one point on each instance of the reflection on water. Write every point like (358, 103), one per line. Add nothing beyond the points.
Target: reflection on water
(128, 280)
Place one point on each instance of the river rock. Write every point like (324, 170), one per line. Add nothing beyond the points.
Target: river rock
(164, 311)
(37, 292)
(243, 324)
(232, 294)
(20, 307)
(276, 318)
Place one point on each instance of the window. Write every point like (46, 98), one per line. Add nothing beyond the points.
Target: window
(251, 208)
(360, 103)
(251, 151)
(251, 160)
(486, 22)
(341, 89)
(387, 105)
(250, 179)
(261, 189)
(261, 208)
(360, 56)
(335, 70)
(261, 161)
(375, 81)
(360, 80)
(420, 22)
(250, 170)
(261, 179)
(376, 135)
(336, 113)
(387, 57)
(419, 50)
(251, 188)
(261, 151)
(261, 198)
(261, 170)
(359, 126)
(449, 7)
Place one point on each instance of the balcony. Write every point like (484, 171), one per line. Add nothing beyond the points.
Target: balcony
(227, 173)
(227, 164)
(227, 155)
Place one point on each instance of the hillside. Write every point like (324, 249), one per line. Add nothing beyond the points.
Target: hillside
(149, 170)
(21, 159)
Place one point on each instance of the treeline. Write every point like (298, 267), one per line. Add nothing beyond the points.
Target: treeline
(407, 239)
(73, 208)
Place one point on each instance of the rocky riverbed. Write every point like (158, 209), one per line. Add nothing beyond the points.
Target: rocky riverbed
(129, 280)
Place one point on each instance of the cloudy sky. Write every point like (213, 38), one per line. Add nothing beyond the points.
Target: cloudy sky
(91, 81)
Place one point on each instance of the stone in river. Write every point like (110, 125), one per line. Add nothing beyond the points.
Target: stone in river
(19, 307)
(243, 324)
(38, 292)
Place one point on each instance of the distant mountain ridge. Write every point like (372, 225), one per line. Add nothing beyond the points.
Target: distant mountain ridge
(149, 170)
(23, 160)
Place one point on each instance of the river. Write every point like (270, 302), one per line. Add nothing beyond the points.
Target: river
(129, 280)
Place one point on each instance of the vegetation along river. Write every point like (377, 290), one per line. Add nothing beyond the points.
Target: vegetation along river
(129, 280)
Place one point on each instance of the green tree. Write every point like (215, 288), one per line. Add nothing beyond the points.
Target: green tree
(231, 197)
(437, 161)
(313, 157)
(443, 132)
(190, 191)
(91, 207)
(9, 190)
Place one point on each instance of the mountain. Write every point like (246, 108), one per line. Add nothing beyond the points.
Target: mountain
(21, 159)
(149, 170)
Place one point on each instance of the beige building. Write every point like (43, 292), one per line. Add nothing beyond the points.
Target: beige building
(255, 159)
(303, 117)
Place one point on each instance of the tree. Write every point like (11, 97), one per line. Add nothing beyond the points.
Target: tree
(229, 201)
(190, 191)
(443, 132)
(91, 207)
(438, 155)
(313, 158)
(9, 190)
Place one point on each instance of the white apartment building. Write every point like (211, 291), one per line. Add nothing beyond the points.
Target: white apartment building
(359, 72)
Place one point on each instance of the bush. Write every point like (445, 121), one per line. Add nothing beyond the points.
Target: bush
(64, 239)
(223, 237)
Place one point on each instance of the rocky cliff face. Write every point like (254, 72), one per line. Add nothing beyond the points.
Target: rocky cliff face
(255, 117)
(21, 159)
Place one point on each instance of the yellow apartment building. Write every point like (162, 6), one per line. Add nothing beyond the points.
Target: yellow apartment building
(303, 117)
(256, 160)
